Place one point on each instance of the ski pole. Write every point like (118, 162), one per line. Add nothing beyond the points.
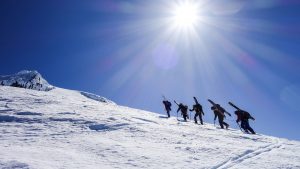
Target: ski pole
(239, 127)
(177, 111)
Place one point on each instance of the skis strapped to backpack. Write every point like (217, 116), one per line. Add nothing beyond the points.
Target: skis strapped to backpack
(231, 104)
(196, 101)
(215, 105)
(242, 111)
(186, 110)
(245, 113)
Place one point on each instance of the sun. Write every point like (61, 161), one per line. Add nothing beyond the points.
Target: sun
(185, 15)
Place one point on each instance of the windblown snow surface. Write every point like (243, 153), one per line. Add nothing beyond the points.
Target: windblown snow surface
(65, 129)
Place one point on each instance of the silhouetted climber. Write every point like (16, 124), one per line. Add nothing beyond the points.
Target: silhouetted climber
(243, 117)
(198, 111)
(220, 113)
(183, 108)
(167, 106)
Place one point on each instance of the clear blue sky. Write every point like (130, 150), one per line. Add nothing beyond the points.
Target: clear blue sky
(128, 51)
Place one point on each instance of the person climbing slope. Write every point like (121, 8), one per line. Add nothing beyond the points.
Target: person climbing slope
(220, 113)
(243, 117)
(183, 108)
(167, 105)
(198, 111)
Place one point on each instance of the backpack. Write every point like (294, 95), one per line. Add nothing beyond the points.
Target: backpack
(246, 115)
(169, 104)
(184, 108)
(197, 107)
(221, 109)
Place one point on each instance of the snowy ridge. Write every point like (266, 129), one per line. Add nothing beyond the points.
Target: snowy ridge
(65, 129)
(34, 80)
(97, 98)
(26, 79)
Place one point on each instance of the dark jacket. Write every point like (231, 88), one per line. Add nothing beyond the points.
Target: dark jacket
(243, 115)
(219, 111)
(183, 109)
(167, 105)
(198, 109)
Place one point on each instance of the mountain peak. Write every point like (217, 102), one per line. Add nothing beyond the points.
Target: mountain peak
(29, 79)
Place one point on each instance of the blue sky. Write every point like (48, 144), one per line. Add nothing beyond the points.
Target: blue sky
(130, 51)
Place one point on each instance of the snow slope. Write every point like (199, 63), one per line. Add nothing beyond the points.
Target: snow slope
(65, 129)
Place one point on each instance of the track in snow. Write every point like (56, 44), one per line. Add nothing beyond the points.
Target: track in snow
(248, 155)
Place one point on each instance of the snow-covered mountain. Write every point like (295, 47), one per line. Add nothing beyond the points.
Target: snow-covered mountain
(62, 128)
(26, 79)
(34, 80)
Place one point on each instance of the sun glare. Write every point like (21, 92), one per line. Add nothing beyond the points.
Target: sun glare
(185, 15)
